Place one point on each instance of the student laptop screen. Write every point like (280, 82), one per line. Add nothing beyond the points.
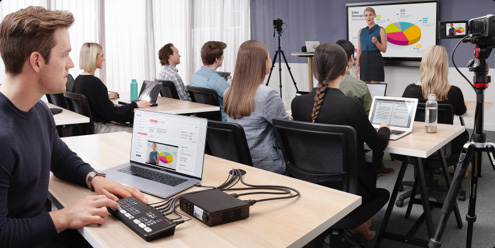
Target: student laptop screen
(149, 92)
(398, 113)
(379, 89)
(167, 153)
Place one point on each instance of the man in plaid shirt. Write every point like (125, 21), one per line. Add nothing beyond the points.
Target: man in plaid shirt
(169, 58)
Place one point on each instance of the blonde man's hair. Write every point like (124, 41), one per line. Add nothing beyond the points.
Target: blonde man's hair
(250, 71)
(434, 73)
(87, 56)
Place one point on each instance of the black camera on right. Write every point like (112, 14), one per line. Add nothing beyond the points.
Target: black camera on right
(277, 24)
(477, 28)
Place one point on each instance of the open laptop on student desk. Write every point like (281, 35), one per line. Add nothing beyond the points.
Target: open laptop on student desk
(149, 92)
(397, 113)
(167, 153)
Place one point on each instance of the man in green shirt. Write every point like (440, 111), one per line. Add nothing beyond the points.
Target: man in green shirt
(352, 86)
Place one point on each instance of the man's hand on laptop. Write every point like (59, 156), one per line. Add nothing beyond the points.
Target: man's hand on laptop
(143, 104)
(384, 125)
(112, 189)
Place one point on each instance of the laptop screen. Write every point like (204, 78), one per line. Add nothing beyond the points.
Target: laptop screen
(149, 91)
(171, 142)
(395, 112)
(377, 89)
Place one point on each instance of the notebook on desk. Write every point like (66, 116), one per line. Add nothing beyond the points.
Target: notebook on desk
(167, 153)
(149, 92)
(397, 113)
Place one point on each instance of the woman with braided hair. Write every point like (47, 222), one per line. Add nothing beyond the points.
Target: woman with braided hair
(327, 104)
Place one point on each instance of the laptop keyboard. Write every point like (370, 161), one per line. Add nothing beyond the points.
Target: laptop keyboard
(152, 175)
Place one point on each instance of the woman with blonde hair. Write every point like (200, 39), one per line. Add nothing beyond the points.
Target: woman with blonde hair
(253, 105)
(434, 80)
(107, 117)
(327, 104)
(372, 41)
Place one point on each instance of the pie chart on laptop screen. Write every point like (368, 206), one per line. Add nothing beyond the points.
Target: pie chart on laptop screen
(403, 33)
(166, 157)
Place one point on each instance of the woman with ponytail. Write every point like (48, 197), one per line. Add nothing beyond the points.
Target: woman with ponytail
(327, 104)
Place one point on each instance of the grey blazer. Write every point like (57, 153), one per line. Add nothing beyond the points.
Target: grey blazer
(259, 129)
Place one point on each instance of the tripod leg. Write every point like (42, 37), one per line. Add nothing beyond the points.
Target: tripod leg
(448, 181)
(471, 215)
(271, 70)
(450, 199)
(290, 73)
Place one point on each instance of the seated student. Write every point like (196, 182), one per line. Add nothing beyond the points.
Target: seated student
(352, 86)
(253, 105)
(107, 117)
(434, 80)
(36, 63)
(207, 77)
(327, 104)
(169, 59)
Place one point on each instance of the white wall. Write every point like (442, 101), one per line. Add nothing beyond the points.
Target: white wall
(397, 78)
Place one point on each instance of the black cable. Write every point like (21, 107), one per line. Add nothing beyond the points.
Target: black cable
(470, 83)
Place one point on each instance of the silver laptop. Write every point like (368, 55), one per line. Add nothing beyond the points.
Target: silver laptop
(149, 92)
(378, 89)
(396, 112)
(311, 45)
(167, 153)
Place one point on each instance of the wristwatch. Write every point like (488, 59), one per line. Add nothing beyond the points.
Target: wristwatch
(92, 175)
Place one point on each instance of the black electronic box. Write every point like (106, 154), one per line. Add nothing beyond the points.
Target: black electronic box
(214, 207)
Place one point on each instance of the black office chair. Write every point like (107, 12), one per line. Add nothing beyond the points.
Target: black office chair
(79, 104)
(228, 141)
(206, 96)
(70, 83)
(168, 89)
(57, 99)
(326, 154)
(433, 164)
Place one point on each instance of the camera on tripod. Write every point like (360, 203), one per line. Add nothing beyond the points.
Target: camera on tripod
(277, 24)
(478, 29)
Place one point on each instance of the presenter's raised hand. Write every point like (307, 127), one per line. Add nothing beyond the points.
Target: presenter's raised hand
(374, 40)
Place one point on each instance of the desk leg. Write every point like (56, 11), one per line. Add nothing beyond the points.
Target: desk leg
(391, 202)
(449, 181)
(310, 73)
(424, 197)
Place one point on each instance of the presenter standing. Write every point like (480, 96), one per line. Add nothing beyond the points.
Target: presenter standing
(372, 41)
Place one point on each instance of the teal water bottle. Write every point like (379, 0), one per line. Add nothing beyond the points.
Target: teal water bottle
(134, 86)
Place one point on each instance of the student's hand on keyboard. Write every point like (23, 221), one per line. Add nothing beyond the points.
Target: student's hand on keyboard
(384, 125)
(112, 189)
(85, 211)
(143, 104)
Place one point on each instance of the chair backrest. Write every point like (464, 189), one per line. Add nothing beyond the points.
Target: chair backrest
(206, 96)
(168, 89)
(79, 103)
(319, 153)
(228, 141)
(70, 83)
(57, 99)
(445, 113)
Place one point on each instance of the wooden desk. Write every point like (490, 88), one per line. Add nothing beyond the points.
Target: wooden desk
(310, 67)
(419, 145)
(471, 108)
(174, 106)
(67, 117)
(280, 223)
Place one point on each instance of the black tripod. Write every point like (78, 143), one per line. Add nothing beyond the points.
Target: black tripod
(472, 151)
(280, 54)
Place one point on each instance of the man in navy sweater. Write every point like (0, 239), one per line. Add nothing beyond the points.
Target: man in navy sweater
(35, 46)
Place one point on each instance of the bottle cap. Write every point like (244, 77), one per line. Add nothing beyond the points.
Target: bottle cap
(432, 97)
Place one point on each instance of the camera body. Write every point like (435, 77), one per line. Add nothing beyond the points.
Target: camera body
(277, 24)
(479, 27)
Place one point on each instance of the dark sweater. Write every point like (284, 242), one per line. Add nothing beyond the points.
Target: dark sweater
(344, 110)
(29, 149)
(102, 108)
(454, 97)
